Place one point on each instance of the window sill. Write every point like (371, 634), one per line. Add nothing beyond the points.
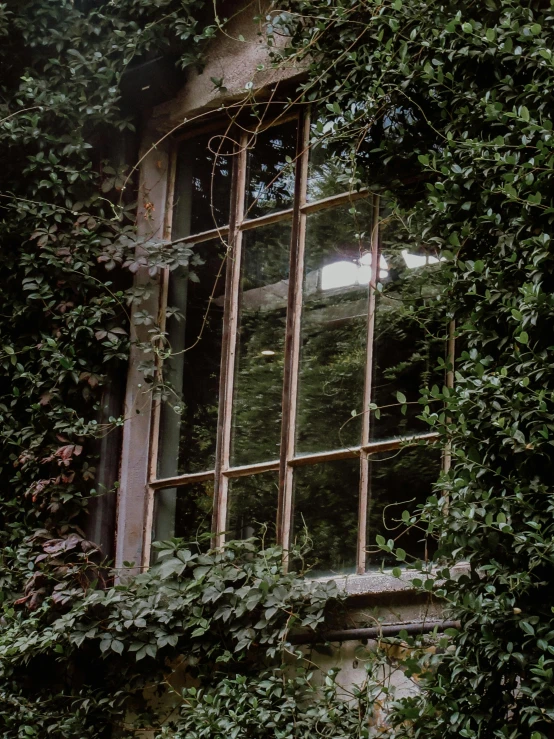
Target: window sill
(381, 583)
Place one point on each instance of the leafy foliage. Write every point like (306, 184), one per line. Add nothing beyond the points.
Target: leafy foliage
(220, 618)
(78, 654)
(65, 212)
(449, 106)
(443, 107)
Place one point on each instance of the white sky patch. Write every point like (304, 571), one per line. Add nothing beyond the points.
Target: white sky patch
(345, 273)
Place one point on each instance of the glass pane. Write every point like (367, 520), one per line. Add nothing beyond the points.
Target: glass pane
(326, 175)
(400, 481)
(408, 343)
(202, 185)
(260, 349)
(188, 423)
(334, 328)
(326, 505)
(252, 507)
(184, 512)
(270, 177)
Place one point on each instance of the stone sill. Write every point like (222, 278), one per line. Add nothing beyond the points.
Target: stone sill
(377, 583)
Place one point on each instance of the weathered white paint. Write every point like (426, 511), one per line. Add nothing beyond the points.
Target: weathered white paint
(132, 495)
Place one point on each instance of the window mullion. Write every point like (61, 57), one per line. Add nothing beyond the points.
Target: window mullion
(365, 482)
(292, 344)
(449, 379)
(164, 287)
(154, 446)
(231, 323)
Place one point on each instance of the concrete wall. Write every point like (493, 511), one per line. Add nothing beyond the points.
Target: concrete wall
(238, 56)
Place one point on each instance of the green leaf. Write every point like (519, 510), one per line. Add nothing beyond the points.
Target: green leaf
(526, 626)
(117, 646)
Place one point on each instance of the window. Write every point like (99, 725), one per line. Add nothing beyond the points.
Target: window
(288, 321)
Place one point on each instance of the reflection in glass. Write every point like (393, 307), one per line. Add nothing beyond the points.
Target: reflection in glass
(326, 504)
(188, 422)
(400, 480)
(271, 168)
(202, 185)
(334, 328)
(185, 512)
(326, 176)
(252, 507)
(260, 345)
(407, 344)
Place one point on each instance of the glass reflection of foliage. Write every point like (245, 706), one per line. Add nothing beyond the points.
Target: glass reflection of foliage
(409, 339)
(332, 386)
(202, 184)
(334, 329)
(184, 512)
(252, 506)
(326, 504)
(270, 175)
(386, 147)
(327, 175)
(400, 480)
(260, 353)
(188, 423)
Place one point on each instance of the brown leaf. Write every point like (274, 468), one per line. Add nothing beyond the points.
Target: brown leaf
(54, 546)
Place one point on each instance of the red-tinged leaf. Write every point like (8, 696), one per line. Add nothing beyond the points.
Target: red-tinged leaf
(20, 601)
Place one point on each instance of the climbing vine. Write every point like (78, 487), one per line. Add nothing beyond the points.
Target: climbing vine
(448, 110)
(445, 108)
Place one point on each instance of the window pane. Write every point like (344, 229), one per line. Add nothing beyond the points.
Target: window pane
(326, 504)
(188, 423)
(184, 512)
(202, 185)
(408, 343)
(326, 176)
(400, 481)
(252, 507)
(270, 178)
(260, 350)
(334, 328)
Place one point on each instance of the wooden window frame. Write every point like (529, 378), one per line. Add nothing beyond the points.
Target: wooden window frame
(288, 461)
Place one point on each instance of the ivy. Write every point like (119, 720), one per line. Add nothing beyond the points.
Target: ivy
(67, 213)
(226, 614)
(445, 109)
(81, 656)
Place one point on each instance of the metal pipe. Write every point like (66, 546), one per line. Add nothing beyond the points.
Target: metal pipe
(375, 632)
